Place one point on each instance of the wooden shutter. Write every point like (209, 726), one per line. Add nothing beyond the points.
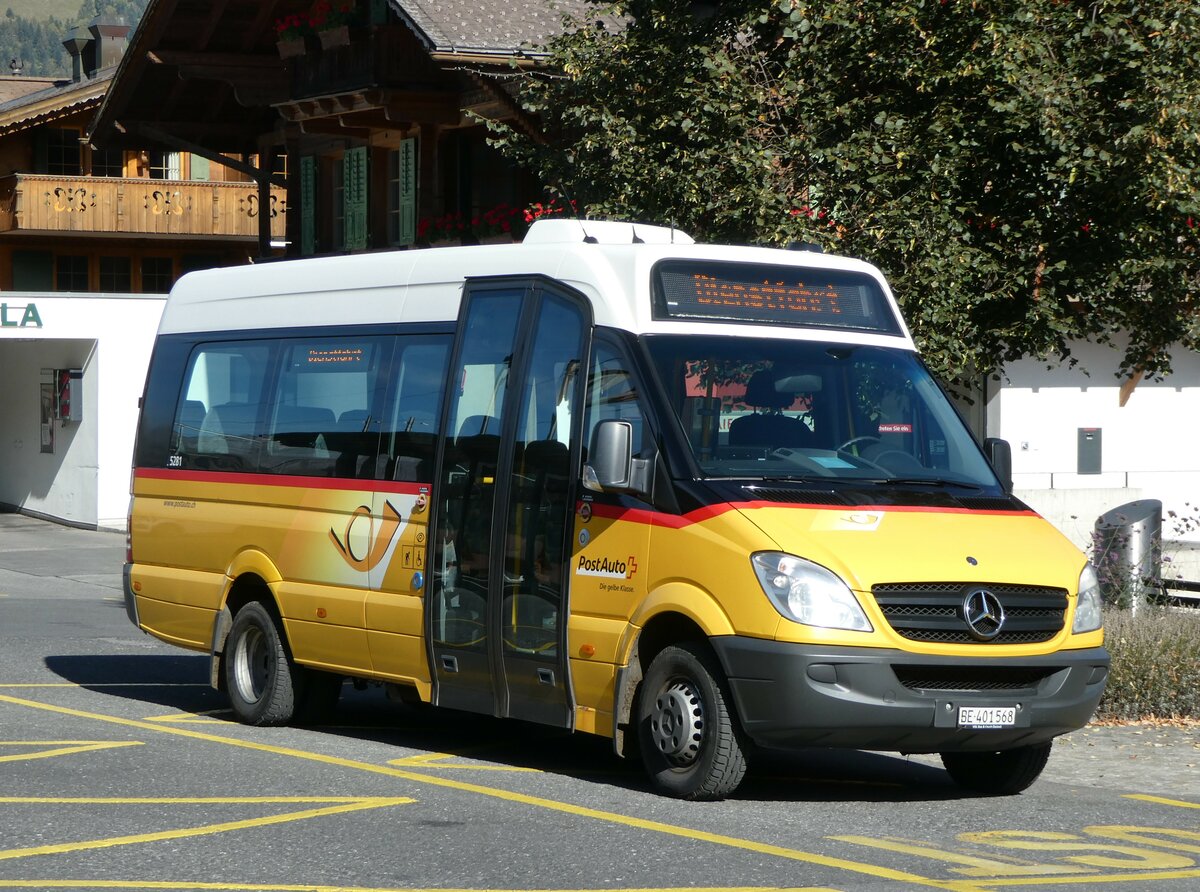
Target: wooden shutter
(406, 198)
(355, 180)
(308, 205)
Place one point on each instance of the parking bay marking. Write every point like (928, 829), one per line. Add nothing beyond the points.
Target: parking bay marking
(873, 870)
(60, 748)
(877, 871)
(343, 806)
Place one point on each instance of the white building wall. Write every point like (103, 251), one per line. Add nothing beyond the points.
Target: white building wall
(1147, 446)
(86, 479)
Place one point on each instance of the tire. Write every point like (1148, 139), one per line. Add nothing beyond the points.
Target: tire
(1003, 773)
(687, 734)
(264, 684)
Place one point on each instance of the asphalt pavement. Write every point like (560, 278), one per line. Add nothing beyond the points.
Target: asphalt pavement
(41, 559)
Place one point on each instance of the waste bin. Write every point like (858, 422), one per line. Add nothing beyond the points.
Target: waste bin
(1127, 553)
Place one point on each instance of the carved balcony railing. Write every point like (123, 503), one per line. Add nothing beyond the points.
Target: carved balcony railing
(42, 203)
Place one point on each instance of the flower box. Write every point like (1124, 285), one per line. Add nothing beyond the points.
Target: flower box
(334, 37)
(290, 47)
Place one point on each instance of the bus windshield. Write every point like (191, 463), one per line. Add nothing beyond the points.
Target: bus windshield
(808, 410)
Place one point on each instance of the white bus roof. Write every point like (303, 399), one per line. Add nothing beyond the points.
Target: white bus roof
(609, 262)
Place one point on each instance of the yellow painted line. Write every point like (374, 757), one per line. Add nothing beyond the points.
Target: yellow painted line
(1158, 800)
(61, 748)
(732, 842)
(179, 800)
(1156, 876)
(971, 865)
(194, 718)
(206, 830)
(263, 887)
(104, 684)
(428, 760)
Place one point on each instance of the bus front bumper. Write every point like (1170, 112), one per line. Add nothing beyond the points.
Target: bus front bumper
(793, 695)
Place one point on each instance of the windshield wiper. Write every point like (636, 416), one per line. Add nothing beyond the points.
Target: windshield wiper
(926, 481)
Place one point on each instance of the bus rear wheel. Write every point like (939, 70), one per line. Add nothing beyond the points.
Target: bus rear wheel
(1003, 773)
(687, 734)
(262, 680)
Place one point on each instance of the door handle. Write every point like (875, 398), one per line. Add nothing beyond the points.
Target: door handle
(546, 676)
(449, 663)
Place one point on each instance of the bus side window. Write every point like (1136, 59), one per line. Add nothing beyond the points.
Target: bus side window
(320, 417)
(612, 394)
(410, 434)
(216, 424)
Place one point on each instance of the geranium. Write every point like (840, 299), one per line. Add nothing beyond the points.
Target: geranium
(552, 208)
(326, 14)
(292, 27)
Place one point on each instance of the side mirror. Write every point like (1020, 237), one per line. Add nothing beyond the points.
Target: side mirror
(611, 465)
(999, 453)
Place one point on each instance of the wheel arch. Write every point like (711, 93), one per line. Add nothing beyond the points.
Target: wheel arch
(249, 578)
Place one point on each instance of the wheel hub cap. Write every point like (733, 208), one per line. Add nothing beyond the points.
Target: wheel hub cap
(677, 723)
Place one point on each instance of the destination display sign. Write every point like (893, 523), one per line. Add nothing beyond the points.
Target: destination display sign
(772, 295)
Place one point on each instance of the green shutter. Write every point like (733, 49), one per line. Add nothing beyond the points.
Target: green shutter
(308, 205)
(33, 271)
(379, 12)
(355, 179)
(199, 168)
(407, 228)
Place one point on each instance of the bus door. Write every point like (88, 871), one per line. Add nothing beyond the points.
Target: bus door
(497, 611)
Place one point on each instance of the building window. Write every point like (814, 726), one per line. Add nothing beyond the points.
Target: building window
(116, 274)
(63, 156)
(166, 166)
(70, 272)
(157, 274)
(108, 163)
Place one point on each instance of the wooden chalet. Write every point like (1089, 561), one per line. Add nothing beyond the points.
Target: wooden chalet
(366, 111)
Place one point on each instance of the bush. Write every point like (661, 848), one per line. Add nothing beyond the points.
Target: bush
(1155, 665)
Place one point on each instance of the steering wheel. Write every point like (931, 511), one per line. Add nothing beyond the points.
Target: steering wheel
(854, 441)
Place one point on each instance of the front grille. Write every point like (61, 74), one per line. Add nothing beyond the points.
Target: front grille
(933, 612)
(961, 679)
(794, 496)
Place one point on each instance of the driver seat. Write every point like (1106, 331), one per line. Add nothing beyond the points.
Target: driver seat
(769, 428)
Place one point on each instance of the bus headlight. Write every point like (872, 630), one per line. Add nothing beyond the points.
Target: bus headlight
(807, 593)
(1087, 605)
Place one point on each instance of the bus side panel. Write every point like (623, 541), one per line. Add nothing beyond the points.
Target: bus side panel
(203, 522)
(178, 605)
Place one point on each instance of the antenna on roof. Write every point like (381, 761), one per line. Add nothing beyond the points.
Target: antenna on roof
(588, 239)
(637, 240)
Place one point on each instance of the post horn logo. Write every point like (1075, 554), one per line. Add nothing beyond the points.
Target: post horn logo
(983, 614)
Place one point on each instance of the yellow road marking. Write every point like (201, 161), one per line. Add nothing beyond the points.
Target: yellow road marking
(263, 887)
(179, 800)
(1093, 879)
(61, 748)
(733, 842)
(190, 718)
(428, 760)
(972, 865)
(1158, 800)
(104, 684)
(207, 830)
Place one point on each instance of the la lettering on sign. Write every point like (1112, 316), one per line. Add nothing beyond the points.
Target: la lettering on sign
(29, 316)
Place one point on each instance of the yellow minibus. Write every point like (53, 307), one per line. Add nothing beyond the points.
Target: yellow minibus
(703, 500)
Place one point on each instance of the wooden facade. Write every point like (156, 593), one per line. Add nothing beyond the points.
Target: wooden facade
(75, 217)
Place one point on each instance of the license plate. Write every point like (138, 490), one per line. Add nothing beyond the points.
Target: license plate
(987, 716)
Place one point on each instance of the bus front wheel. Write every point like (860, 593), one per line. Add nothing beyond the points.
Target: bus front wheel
(686, 731)
(259, 673)
(1003, 773)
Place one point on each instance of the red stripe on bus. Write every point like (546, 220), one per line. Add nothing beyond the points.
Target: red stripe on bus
(699, 515)
(292, 481)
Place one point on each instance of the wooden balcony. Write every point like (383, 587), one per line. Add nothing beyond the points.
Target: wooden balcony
(102, 205)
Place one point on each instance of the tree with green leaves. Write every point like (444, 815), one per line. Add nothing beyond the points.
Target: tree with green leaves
(1024, 171)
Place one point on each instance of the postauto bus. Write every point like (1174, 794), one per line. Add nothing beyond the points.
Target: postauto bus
(703, 500)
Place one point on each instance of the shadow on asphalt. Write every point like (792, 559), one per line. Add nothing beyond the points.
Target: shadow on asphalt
(180, 683)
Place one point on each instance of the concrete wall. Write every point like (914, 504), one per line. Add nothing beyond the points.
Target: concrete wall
(1147, 446)
(110, 337)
